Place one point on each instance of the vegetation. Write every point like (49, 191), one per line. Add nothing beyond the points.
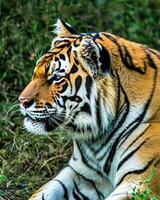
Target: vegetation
(28, 161)
(147, 193)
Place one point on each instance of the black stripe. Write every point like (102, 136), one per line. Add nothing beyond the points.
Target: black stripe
(80, 174)
(76, 61)
(62, 57)
(88, 86)
(151, 61)
(62, 103)
(64, 87)
(86, 108)
(137, 171)
(123, 110)
(43, 196)
(126, 56)
(69, 28)
(135, 140)
(66, 197)
(97, 36)
(105, 60)
(88, 180)
(55, 50)
(78, 82)
(87, 159)
(98, 110)
(72, 126)
(59, 65)
(74, 69)
(61, 70)
(78, 191)
(128, 130)
(56, 59)
(67, 76)
(140, 118)
(62, 46)
(121, 115)
(69, 53)
(130, 154)
(47, 66)
(116, 76)
(75, 194)
(155, 52)
(127, 60)
(111, 38)
(126, 133)
(61, 41)
(157, 163)
(50, 53)
(116, 127)
(134, 125)
(75, 44)
(110, 157)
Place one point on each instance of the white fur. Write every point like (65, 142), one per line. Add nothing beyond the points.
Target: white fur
(34, 127)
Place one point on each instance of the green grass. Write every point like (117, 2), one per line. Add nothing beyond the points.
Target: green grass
(147, 193)
(27, 161)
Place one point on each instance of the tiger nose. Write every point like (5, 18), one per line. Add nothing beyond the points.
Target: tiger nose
(25, 101)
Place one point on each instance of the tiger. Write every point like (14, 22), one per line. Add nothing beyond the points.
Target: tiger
(105, 91)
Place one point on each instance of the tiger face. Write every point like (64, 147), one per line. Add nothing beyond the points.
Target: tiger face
(64, 90)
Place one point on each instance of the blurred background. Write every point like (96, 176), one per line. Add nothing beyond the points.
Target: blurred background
(28, 161)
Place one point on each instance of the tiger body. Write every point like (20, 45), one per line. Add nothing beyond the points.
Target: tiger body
(105, 90)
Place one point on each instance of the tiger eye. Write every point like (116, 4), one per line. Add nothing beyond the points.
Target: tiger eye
(78, 99)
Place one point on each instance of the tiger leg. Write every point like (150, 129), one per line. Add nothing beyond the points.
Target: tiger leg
(67, 185)
(136, 168)
(130, 185)
(121, 192)
(127, 189)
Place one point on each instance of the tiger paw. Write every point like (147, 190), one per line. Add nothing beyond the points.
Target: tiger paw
(51, 191)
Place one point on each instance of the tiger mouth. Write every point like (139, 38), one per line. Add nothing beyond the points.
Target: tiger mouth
(41, 124)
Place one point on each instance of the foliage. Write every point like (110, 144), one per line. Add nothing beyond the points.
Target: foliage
(147, 193)
(28, 161)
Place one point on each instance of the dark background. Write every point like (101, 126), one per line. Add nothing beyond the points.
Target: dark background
(28, 161)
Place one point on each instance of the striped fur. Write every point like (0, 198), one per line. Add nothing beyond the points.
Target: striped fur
(105, 91)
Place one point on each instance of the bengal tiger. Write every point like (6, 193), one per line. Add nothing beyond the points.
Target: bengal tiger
(105, 91)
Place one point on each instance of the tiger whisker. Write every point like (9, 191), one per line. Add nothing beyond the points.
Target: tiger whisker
(68, 117)
(52, 119)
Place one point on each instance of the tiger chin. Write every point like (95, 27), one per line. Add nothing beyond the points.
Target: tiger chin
(104, 90)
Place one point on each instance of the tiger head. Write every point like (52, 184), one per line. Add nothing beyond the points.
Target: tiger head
(66, 86)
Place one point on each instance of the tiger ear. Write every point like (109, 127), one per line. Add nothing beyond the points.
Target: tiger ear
(94, 56)
(63, 29)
